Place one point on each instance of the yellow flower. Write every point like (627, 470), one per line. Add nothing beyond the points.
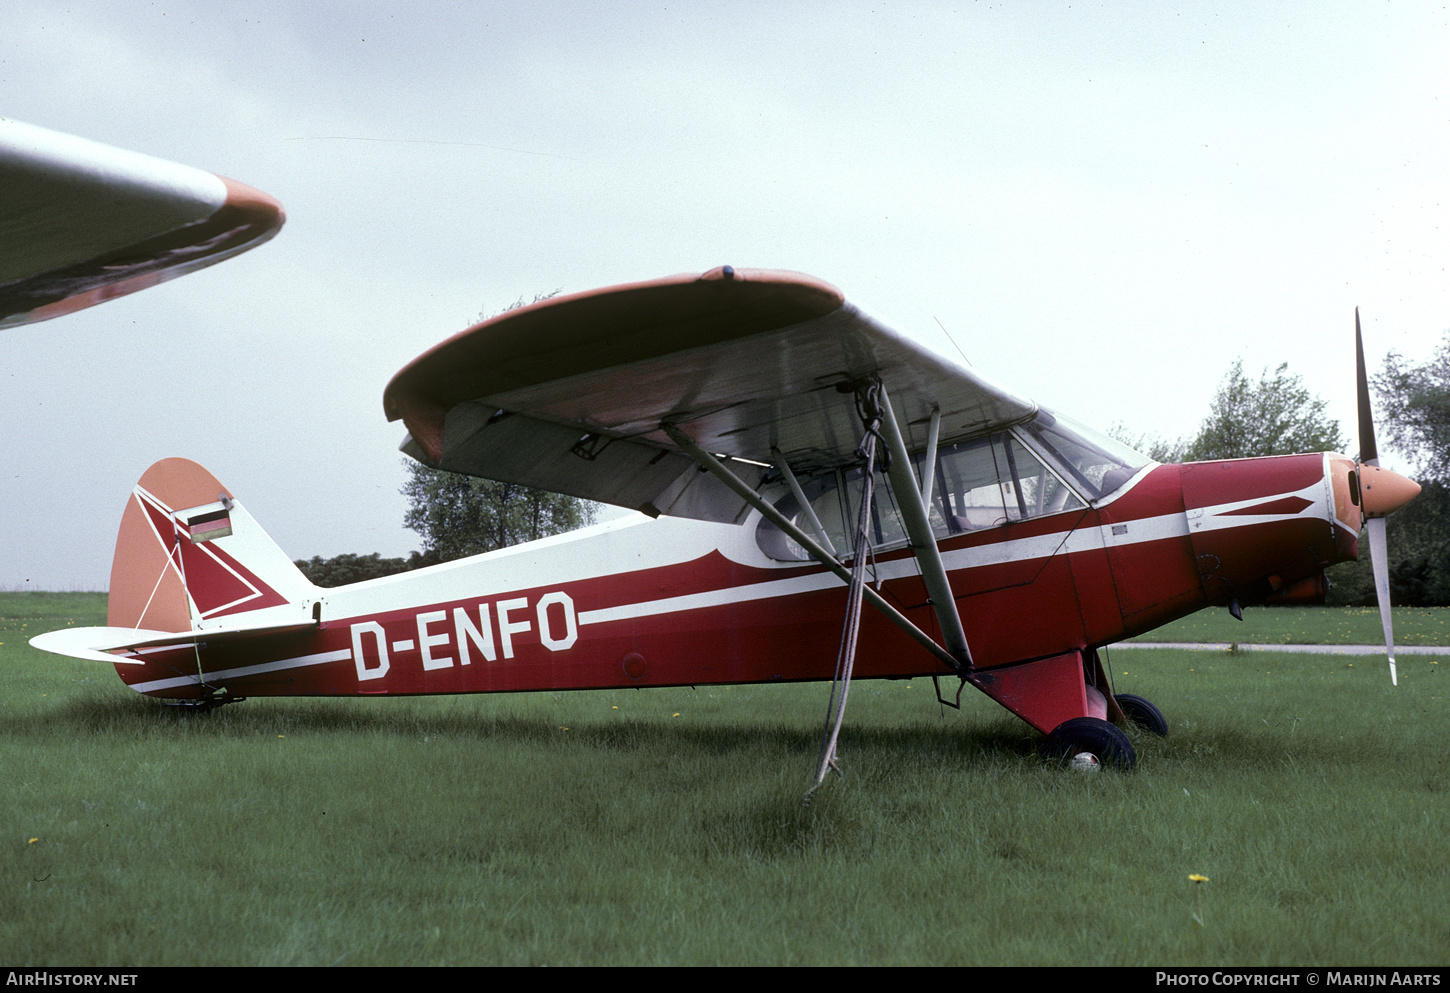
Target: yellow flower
(1195, 877)
(32, 841)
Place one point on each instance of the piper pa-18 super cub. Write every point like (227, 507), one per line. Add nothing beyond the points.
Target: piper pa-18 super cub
(797, 457)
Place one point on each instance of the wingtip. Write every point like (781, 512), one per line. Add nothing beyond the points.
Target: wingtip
(264, 210)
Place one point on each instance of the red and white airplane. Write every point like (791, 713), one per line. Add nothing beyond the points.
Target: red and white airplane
(82, 223)
(738, 409)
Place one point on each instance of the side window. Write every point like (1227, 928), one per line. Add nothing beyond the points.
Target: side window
(835, 498)
(1029, 489)
(967, 494)
(824, 495)
(1097, 465)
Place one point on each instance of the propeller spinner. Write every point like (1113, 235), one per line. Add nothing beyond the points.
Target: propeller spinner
(1381, 492)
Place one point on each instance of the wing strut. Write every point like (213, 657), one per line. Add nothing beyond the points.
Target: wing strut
(747, 493)
(800, 497)
(923, 543)
(928, 464)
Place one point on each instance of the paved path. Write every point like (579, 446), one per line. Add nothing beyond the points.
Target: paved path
(1206, 646)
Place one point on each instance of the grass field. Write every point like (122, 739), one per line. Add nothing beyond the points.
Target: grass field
(666, 826)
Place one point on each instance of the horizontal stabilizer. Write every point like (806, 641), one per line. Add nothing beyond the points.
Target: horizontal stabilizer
(97, 644)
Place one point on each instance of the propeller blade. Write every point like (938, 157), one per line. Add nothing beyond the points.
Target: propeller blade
(1368, 453)
(1380, 561)
(1381, 492)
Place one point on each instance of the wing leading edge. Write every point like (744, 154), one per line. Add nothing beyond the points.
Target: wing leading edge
(81, 222)
(571, 394)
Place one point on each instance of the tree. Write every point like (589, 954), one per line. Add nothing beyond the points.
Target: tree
(341, 570)
(458, 515)
(1414, 402)
(1275, 416)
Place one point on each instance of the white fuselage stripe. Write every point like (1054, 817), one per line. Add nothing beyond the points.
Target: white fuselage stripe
(172, 682)
(1015, 550)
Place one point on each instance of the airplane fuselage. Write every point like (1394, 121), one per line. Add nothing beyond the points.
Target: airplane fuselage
(636, 602)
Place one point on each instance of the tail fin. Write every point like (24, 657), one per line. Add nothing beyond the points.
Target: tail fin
(188, 557)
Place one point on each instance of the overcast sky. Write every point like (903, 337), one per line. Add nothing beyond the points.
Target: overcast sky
(1104, 204)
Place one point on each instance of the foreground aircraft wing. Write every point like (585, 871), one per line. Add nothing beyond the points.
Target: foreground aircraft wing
(570, 394)
(82, 222)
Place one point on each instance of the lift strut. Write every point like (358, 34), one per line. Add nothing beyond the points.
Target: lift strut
(747, 493)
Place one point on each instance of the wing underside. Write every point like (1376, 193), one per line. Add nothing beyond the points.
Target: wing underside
(571, 394)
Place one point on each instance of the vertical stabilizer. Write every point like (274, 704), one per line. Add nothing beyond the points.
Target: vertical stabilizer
(188, 556)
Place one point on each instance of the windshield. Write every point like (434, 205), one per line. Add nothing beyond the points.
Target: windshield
(1096, 464)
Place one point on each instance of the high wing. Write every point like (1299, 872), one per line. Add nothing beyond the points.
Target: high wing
(571, 394)
(82, 222)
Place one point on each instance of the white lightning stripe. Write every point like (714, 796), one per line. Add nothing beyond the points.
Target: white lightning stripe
(300, 662)
(1223, 516)
(1136, 532)
(1133, 532)
(239, 578)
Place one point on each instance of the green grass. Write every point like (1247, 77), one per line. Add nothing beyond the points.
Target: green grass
(666, 826)
(1308, 626)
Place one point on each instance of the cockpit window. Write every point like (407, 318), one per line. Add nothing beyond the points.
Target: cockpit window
(979, 483)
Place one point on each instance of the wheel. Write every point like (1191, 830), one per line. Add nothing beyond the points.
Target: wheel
(1143, 714)
(1088, 734)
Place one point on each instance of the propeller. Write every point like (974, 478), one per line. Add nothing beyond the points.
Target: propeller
(1381, 492)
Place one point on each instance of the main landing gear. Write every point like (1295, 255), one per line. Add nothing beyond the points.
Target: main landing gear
(1091, 742)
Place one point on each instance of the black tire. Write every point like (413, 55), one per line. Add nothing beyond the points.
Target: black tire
(1088, 734)
(1143, 714)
